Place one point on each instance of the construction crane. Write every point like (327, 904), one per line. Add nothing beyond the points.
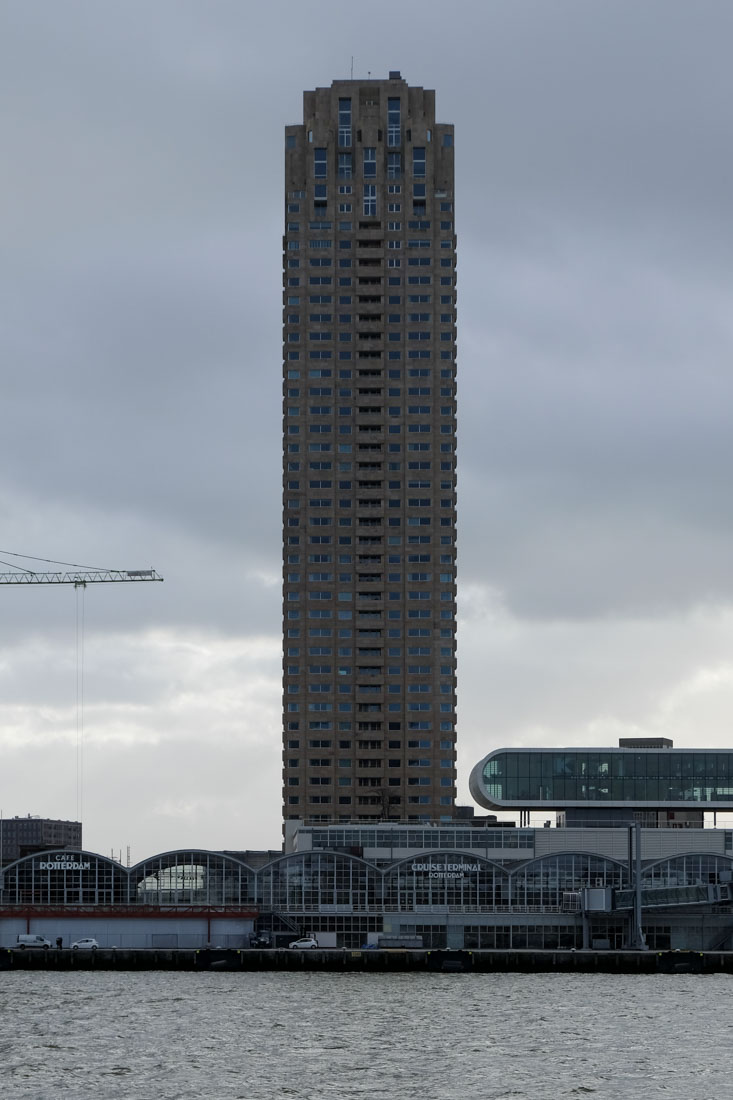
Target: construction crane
(80, 578)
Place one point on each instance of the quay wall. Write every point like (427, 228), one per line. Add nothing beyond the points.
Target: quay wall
(340, 959)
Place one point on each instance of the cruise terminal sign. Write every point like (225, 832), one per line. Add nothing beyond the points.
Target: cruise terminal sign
(64, 861)
(446, 870)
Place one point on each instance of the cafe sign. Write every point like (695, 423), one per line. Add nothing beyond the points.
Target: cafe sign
(63, 862)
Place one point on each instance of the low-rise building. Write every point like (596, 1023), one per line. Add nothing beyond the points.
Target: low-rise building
(20, 836)
(612, 880)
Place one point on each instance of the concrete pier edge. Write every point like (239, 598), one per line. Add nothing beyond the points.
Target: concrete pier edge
(370, 960)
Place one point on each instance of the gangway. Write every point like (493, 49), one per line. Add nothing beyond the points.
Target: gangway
(608, 900)
(663, 897)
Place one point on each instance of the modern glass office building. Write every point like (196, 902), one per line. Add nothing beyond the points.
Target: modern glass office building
(664, 779)
(369, 453)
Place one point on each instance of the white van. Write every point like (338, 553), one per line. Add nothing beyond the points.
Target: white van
(33, 941)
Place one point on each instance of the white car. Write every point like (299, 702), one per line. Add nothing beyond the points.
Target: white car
(85, 945)
(307, 941)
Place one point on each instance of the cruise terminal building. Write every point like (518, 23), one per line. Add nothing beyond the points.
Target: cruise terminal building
(474, 883)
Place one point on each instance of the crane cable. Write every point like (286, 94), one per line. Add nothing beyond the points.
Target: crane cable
(80, 589)
(49, 561)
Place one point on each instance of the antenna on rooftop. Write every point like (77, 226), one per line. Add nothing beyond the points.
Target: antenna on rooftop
(352, 66)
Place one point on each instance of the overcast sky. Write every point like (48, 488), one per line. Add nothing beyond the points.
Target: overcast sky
(141, 215)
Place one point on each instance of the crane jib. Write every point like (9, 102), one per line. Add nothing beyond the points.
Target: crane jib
(90, 576)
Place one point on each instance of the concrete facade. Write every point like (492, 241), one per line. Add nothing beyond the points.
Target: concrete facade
(139, 933)
(369, 441)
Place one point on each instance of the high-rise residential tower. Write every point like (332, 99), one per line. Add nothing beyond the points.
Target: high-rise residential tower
(369, 457)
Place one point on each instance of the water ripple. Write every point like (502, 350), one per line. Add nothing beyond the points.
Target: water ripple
(273, 1036)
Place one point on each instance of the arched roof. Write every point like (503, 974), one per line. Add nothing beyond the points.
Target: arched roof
(546, 857)
(293, 857)
(679, 856)
(169, 858)
(64, 855)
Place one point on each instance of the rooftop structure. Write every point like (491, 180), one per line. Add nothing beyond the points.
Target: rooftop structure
(603, 785)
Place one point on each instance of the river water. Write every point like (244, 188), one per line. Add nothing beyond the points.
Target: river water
(260, 1036)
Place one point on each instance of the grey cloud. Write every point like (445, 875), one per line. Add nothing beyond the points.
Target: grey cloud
(140, 219)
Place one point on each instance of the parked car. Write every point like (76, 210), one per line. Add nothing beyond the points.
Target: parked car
(32, 941)
(306, 941)
(260, 939)
(87, 944)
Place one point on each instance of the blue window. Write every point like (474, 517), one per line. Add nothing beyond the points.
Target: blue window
(344, 123)
(394, 166)
(320, 164)
(370, 200)
(393, 122)
(418, 161)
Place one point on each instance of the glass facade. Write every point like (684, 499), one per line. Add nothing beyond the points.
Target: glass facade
(542, 883)
(318, 881)
(192, 878)
(423, 838)
(561, 777)
(439, 893)
(64, 878)
(691, 869)
(446, 880)
(322, 882)
(543, 937)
